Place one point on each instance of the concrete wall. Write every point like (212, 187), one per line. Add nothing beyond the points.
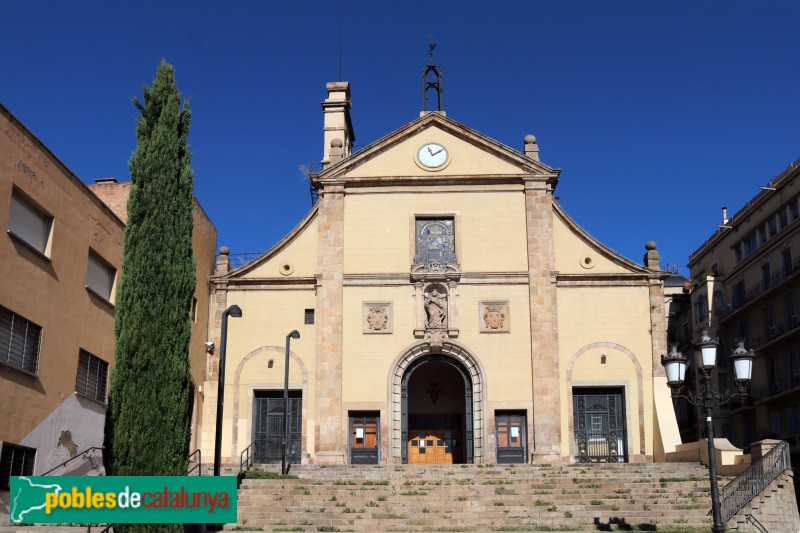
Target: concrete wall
(50, 291)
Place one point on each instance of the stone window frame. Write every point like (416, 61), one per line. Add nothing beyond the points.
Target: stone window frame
(412, 229)
(507, 323)
(389, 322)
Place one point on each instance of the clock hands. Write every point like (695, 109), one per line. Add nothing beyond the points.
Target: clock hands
(436, 152)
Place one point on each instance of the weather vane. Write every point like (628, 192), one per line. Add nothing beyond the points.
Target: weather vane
(431, 46)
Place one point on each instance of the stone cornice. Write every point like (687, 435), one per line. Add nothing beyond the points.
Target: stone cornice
(282, 283)
(603, 280)
(402, 278)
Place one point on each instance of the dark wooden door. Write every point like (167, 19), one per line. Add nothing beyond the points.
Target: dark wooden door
(364, 438)
(510, 431)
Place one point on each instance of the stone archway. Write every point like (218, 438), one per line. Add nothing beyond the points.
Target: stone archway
(472, 370)
(638, 385)
(237, 378)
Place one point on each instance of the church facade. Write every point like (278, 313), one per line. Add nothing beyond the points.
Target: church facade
(448, 311)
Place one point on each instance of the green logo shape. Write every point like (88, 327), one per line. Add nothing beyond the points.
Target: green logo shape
(122, 499)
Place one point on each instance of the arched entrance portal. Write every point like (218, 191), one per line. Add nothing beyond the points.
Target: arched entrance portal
(437, 411)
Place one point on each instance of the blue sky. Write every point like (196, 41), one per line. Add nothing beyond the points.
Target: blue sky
(659, 113)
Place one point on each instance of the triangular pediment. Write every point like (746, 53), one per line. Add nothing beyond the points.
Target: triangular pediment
(470, 154)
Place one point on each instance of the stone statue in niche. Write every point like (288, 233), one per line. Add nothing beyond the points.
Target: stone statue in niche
(494, 316)
(436, 309)
(377, 318)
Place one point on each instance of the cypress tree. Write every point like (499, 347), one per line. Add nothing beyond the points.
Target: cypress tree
(148, 420)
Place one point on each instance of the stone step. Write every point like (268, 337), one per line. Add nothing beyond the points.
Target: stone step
(475, 497)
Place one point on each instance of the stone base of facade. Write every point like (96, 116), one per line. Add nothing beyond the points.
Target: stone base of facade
(546, 457)
(330, 458)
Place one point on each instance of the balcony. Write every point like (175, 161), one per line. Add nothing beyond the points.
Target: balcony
(776, 388)
(778, 279)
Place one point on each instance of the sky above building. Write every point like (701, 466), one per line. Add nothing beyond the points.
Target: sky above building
(658, 113)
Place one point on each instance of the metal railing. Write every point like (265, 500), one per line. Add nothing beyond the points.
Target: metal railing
(756, 524)
(750, 483)
(80, 455)
(776, 278)
(246, 459)
(239, 260)
(199, 465)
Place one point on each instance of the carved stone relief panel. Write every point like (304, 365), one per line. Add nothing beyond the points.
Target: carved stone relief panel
(493, 316)
(378, 317)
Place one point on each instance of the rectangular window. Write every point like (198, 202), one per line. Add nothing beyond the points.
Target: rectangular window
(786, 261)
(792, 413)
(100, 277)
(28, 223)
(19, 341)
(309, 316)
(92, 376)
(766, 276)
(775, 422)
(737, 293)
(194, 309)
(435, 241)
(773, 226)
(15, 460)
(794, 211)
(783, 218)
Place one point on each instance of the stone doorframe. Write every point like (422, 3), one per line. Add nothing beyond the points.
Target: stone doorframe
(265, 386)
(457, 351)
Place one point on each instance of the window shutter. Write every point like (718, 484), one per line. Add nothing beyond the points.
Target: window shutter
(27, 223)
(99, 277)
(92, 376)
(19, 341)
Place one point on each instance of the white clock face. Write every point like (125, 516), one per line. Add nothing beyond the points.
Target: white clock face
(432, 155)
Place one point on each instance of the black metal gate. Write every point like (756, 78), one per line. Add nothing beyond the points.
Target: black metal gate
(268, 427)
(599, 426)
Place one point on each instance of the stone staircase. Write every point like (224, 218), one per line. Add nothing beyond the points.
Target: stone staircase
(599, 497)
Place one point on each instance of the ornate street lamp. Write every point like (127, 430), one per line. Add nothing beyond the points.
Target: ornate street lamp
(234, 311)
(675, 364)
(293, 335)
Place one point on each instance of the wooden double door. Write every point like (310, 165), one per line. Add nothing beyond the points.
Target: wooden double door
(365, 438)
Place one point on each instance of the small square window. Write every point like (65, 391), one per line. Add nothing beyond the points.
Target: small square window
(15, 460)
(309, 316)
(92, 376)
(19, 341)
(100, 277)
(29, 224)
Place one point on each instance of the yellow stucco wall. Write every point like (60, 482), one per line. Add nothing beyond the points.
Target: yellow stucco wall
(489, 225)
(465, 158)
(614, 321)
(299, 251)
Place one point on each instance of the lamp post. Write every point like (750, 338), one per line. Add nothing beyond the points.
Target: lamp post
(675, 364)
(234, 311)
(293, 335)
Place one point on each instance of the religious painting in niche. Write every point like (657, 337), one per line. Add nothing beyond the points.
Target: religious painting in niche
(493, 316)
(377, 317)
(435, 241)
